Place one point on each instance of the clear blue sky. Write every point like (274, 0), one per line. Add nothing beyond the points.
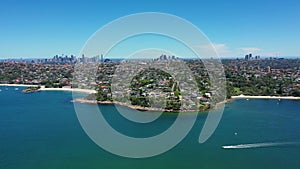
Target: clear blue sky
(45, 28)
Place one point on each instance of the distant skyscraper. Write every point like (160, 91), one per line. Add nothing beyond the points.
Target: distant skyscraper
(250, 56)
(83, 58)
(165, 57)
(101, 58)
(161, 57)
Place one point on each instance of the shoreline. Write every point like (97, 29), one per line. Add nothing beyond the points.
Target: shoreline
(18, 85)
(265, 97)
(87, 91)
(135, 107)
(82, 100)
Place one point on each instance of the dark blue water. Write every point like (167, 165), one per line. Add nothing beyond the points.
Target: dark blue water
(41, 131)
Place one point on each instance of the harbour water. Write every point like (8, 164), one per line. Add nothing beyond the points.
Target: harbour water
(41, 131)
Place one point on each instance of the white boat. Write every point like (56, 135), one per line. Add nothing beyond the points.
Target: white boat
(259, 145)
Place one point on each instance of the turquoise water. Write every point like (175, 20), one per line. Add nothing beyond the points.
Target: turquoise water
(41, 131)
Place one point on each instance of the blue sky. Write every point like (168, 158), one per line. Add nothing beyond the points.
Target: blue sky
(45, 28)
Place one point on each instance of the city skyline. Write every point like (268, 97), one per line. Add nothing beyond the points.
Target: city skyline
(35, 29)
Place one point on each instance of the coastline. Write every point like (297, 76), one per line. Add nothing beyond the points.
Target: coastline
(87, 91)
(265, 97)
(18, 85)
(135, 107)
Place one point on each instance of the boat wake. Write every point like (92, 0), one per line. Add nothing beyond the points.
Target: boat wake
(260, 145)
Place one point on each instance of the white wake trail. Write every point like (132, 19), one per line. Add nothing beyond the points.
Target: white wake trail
(259, 145)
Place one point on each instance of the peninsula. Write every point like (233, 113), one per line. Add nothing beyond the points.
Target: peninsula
(248, 78)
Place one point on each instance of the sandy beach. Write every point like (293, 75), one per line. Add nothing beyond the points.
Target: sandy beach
(265, 97)
(18, 85)
(88, 91)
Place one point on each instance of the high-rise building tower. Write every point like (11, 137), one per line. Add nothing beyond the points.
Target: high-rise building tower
(250, 56)
(101, 59)
(83, 58)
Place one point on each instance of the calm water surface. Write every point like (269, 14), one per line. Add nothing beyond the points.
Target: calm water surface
(41, 131)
